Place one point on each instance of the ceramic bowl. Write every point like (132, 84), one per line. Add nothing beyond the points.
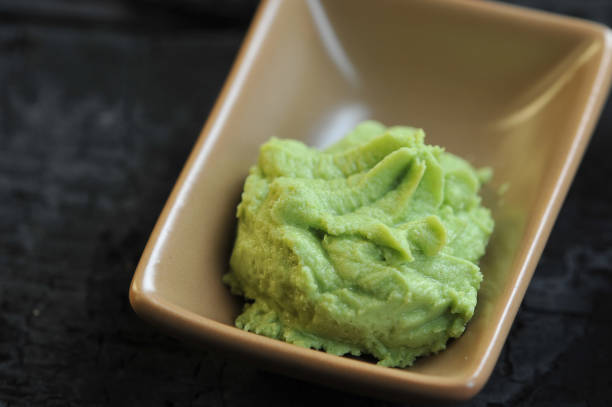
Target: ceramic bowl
(502, 86)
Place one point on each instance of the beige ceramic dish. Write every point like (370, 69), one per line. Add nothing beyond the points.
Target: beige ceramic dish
(515, 89)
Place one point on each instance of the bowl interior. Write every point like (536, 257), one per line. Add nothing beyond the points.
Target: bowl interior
(499, 90)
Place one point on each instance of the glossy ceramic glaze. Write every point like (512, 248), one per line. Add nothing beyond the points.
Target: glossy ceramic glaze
(506, 87)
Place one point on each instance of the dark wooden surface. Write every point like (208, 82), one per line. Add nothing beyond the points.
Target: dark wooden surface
(100, 103)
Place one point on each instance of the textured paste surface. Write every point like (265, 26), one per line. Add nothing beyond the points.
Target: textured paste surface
(370, 246)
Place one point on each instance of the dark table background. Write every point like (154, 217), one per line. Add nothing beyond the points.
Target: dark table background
(100, 103)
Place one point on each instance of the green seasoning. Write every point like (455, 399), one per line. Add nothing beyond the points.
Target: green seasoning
(370, 246)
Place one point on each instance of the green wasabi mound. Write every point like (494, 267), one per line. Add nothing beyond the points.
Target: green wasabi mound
(368, 247)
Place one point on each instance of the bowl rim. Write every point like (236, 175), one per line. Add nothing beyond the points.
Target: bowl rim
(178, 321)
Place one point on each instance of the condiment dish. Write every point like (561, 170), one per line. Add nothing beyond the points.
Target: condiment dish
(502, 86)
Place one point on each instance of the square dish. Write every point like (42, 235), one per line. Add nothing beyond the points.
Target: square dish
(502, 86)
